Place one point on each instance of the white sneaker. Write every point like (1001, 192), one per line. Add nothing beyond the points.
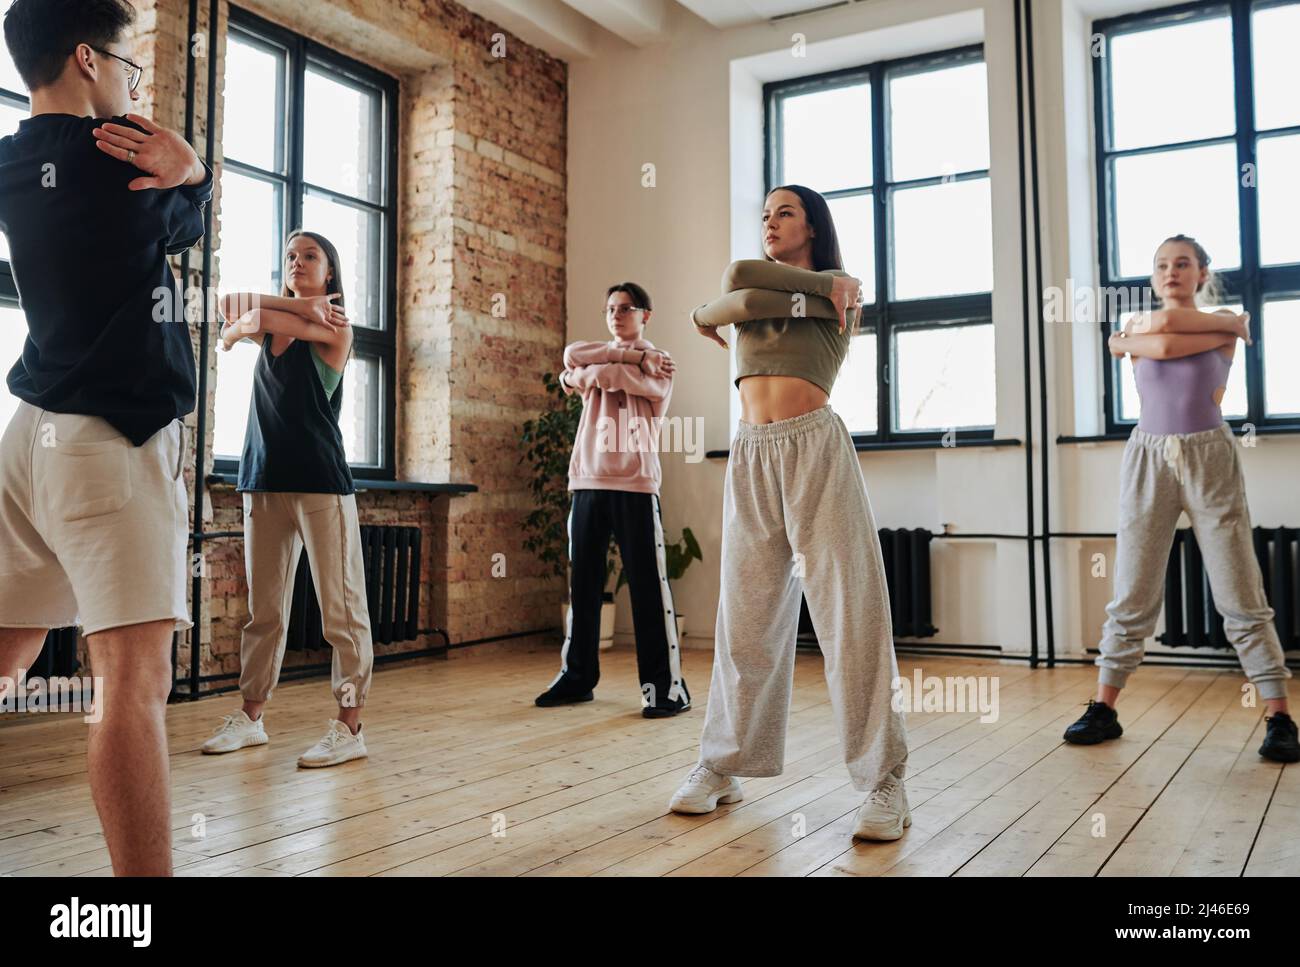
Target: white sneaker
(703, 790)
(337, 745)
(885, 813)
(236, 732)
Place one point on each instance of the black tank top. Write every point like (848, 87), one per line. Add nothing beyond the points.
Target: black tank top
(293, 443)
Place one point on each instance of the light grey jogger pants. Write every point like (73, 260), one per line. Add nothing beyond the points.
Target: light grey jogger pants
(1163, 475)
(796, 517)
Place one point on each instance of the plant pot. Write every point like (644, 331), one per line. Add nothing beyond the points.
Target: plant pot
(607, 611)
(681, 626)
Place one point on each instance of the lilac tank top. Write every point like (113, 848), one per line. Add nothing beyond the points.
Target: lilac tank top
(1178, 394)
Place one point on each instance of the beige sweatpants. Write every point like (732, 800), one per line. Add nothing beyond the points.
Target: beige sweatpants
(796, 517)
(277, 526)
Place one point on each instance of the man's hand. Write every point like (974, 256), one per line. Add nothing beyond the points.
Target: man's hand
(1115, 345)
(164, 155)
(656, 363)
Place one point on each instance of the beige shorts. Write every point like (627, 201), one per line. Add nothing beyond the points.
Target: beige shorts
(93, 531)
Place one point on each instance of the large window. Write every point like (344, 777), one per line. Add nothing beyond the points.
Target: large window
(310, 142)
(900, 150)
(1198, 132)
(14, 106)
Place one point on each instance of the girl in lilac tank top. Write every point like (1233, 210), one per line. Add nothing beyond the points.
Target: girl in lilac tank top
(1181, 395)
(1182, 458)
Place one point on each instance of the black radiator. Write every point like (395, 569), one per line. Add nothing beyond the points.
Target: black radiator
(906, 556)
(392, 564)
(1191, 619)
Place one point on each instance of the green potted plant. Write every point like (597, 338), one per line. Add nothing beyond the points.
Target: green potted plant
(547, 445)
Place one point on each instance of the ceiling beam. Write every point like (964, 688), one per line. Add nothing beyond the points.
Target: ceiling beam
(639, 22)
(551, 25)
(722, 13)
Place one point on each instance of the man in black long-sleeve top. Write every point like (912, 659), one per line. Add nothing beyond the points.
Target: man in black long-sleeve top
(93, 508)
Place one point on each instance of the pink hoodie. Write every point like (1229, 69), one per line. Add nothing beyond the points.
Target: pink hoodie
(617, 443)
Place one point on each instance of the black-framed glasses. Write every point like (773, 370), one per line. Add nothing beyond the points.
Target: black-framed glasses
(622, 310)
(134, 69)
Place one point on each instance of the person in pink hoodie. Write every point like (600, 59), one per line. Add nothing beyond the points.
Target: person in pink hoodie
(614, 477)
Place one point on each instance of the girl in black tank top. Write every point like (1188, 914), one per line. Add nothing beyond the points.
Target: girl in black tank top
(298, 493)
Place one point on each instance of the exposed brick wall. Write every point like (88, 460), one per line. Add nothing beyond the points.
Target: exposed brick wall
(481, 224)
(508, 232)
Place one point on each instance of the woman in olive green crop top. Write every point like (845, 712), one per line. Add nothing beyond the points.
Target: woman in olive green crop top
(786, 325)
(797, 519)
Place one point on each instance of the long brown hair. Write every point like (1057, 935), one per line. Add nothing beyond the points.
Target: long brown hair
(826, 242)
(333, 285)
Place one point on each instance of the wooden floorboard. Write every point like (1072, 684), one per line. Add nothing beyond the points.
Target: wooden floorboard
(467, 777)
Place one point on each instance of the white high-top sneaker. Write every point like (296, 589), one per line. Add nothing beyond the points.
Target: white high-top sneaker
(236, 732)
(885, 813)
(703, 790)
(337, 745)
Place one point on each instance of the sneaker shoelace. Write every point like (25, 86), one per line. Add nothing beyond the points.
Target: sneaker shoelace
(699, 776)
(332, 738)
(883, 794)
(227, 725)
(1282, 724)
(1095, 710)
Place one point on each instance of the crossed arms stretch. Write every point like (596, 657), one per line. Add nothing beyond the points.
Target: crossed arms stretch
(1174, 333)
(640, 372)
(758, 289)
(251, 315)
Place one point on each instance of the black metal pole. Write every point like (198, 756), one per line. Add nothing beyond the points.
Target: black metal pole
(1042, 337)
(1028, 366)
(201, 430)
(191, 69)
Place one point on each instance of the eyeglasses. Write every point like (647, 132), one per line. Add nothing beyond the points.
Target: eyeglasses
(622, 310)
(133, 69)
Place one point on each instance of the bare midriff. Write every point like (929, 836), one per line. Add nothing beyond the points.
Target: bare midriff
(767, 399)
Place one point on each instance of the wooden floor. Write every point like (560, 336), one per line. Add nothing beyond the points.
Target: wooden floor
(467, 777)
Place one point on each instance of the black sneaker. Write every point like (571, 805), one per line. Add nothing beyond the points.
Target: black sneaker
(1099, 723)
(551, 698)
(664, 711)
(1280, 742)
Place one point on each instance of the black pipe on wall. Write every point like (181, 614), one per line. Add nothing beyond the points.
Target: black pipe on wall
(1025, 310)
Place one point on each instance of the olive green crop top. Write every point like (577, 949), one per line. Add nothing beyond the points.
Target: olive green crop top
(759, 299)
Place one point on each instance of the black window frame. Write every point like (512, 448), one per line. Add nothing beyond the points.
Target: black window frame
(9, 288)
(887, 316)
(301, 53)
(1250, 284)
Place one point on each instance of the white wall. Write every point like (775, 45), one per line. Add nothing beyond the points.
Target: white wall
(693, 109)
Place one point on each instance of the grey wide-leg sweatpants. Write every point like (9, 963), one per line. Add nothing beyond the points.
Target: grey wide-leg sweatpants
(1163, 475)
(795, 516)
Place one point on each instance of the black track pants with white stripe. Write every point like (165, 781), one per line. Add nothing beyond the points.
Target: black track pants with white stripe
(635, 521)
